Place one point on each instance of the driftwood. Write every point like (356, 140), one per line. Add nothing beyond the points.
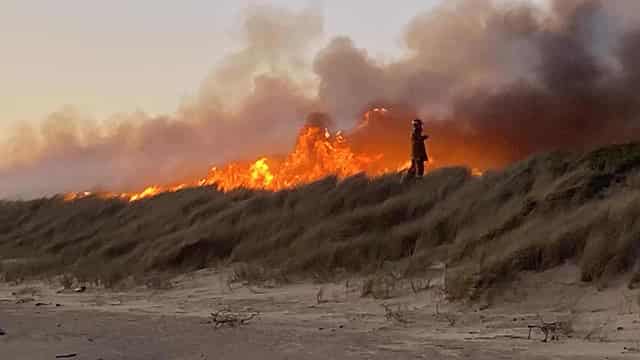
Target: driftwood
(66, 356)
(394, 315)
(552, 330)
(631, 350)
(548, 329)
(25, 300)
(228, 318)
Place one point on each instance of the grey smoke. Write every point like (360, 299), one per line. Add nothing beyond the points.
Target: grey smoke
(249, 104)
(502, 82)
(496, 81)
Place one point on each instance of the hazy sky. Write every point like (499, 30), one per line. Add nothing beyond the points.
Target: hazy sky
(121, 55)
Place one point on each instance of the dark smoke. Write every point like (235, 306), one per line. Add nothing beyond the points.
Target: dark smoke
(503, 82)
(497, 81)
(582, 94)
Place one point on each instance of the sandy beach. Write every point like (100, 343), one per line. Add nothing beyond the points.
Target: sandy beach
(316, 321)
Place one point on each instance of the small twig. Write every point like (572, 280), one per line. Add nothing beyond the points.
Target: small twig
(347, 284)
(221, 318)
(394, 315)
(319, 296)
(496, 337)
(66, 356)
(451, 319)
(254, 291)
(547, 328)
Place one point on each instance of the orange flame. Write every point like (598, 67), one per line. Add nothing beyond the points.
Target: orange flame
(260, 174)
(77, 196)
(148, 192)
(318, 153)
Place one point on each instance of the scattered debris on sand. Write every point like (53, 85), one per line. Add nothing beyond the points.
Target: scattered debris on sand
(397, 314)
(232, 319)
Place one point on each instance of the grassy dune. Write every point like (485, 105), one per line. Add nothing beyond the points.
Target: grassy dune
(534, 215)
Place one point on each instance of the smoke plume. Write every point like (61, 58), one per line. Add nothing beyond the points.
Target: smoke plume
(253, 102)
(499, 82)
(495, 80)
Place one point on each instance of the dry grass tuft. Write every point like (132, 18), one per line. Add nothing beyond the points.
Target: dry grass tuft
(66, 281)
(379, 286)
(158, 281)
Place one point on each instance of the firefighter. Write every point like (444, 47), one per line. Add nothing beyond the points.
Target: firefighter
(418, 149)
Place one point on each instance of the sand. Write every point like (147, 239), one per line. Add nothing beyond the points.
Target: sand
(318, 321)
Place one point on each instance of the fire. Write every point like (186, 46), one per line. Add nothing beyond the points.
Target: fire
(77, 196)
(260, 174)
(404, 166)
(318, 153)
(148, 192)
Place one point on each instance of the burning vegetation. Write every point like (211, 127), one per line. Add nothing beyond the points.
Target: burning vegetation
(518, 80)
(318, 153)
(535, 215)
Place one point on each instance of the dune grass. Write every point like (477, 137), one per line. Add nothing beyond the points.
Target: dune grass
(532, 216)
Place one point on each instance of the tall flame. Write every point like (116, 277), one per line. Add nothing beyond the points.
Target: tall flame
(318, 153)
(261, 174)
